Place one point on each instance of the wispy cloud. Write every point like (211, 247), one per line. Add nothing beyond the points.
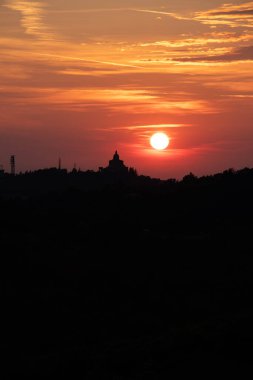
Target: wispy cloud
(205, 39)
(228, 14)
(160, 13)
(240, 54)
(32, 17)
(153, 126)
(71, 58)
(113, 99)
(144, 128)
(242, 96)
(121, 9)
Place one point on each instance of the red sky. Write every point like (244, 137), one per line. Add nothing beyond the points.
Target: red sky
(80, 79)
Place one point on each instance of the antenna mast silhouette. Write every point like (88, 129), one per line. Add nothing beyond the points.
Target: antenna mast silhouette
(59, 164)
(13, 165)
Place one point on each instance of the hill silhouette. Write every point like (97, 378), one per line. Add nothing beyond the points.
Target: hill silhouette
(125, 277)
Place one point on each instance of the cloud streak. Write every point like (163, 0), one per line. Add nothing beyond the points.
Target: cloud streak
(231, 15)
(69, 58)
(135, 101)
(240, 54)
(153, 126)
(32, 17)
(214, 38)
(122, 9)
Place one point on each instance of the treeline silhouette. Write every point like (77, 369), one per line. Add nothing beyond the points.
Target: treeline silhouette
(125, 277)
(42, 181)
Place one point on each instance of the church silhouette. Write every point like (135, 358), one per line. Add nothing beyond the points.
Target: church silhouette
(116, 166)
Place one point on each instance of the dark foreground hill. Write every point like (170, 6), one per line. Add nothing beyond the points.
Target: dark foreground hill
(128, 279)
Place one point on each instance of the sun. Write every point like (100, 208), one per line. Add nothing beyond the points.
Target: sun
(159, 141)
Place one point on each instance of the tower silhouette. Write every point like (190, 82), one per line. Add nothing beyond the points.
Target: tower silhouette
(13, 165)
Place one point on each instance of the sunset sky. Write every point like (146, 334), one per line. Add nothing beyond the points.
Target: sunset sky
(82, 78)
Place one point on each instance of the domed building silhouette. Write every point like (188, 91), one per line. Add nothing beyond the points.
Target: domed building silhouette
(116, 166)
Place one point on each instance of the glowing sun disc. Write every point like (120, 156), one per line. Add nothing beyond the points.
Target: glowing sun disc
(159, 141)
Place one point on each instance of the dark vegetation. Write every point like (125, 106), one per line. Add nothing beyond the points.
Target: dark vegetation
(125, 278)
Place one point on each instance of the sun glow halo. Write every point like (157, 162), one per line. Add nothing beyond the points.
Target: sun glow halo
(159, 141)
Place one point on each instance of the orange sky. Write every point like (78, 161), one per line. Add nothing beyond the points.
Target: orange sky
(80, 79)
